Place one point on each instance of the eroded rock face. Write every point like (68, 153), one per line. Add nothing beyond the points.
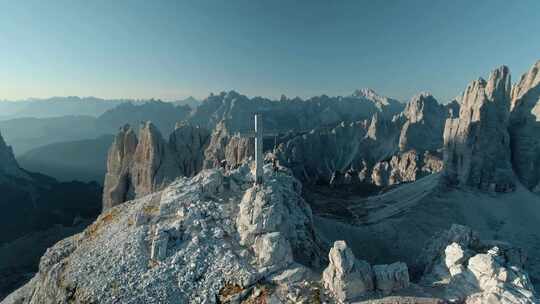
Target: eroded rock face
(346, 277)
(383, 151)
(477, 144)
(424, 125)
(477, 271)
(139, 166)
(226, 149)
(406, 167)
(188, 142)
(391, 278)
(262, 211)
(525, 127)
(317, 155)
(153, 164)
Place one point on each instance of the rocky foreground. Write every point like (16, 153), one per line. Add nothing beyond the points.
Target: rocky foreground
(217, 238)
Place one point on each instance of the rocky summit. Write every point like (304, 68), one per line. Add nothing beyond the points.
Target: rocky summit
(200, 239)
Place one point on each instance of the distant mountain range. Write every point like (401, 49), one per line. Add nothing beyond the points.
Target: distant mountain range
(83, 160)
(70, 106)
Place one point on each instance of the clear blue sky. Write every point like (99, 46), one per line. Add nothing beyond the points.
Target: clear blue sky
(173, 49)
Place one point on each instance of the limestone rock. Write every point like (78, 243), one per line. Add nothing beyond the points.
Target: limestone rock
(390, 278)
(525, 127)
(424, 124)
(319, 154)
(273, 251)
(405, 167)
(460, 235)
(185, 250)
(188, 143)
(154, 163)
(475, 271)
(137, 167)
(265, 210)
(117, 187)
(387, 106)
(477, 144)
(383, 151)
(346, 277)
(226, 148)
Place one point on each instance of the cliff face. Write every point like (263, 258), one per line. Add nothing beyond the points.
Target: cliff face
(383, 151)
(525, 127)
(227, 149)
(187, 142)
(8, 164)
(137, 167)
(477, 144)
(424, 124)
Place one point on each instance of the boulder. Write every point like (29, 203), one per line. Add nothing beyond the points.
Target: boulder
(346, 277)
(273, 251)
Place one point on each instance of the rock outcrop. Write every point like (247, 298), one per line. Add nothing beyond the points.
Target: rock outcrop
(262, 212)
(477, 144)
(227, 149)
(391, 278)
(476, 271)
(348, 278)
(406, 167)
(181, 245)
(139, 166)
(525, 127)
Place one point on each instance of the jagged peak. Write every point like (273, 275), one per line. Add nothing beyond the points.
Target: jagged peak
(125, 128)
(527, 81)
(420, 104)
(371, 95)
(150, 130)
(499, 83)
(422, 95)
